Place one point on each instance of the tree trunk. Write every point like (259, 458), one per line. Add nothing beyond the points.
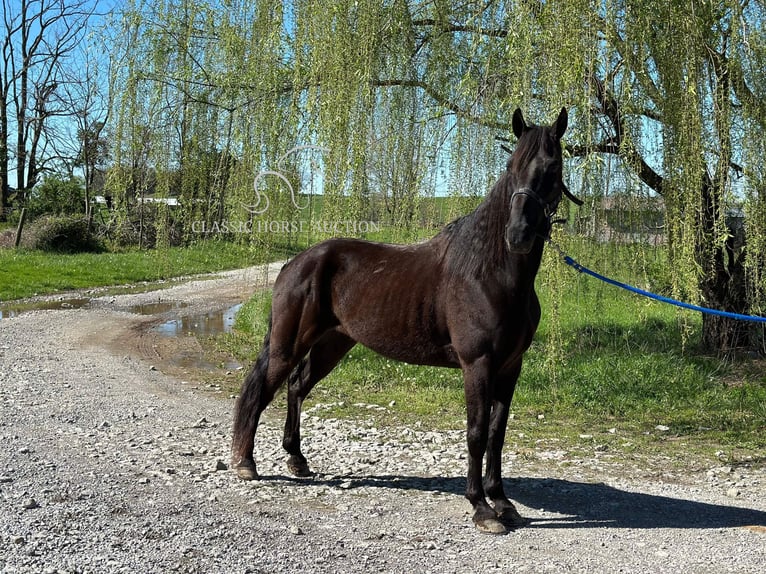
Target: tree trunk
(5, 191)
(724, 336)
(724, 287)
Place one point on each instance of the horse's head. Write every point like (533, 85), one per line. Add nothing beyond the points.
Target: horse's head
(535, 181)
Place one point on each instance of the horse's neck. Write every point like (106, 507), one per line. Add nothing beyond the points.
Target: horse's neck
(521, 269)
(475, 245)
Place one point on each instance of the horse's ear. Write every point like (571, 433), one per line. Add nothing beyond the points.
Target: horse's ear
(560, 126)
(519, 125)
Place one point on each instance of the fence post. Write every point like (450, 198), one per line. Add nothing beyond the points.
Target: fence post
(21, 226)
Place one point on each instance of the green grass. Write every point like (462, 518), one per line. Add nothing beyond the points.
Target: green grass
(29, 273)
(606, 359)
(633, 362)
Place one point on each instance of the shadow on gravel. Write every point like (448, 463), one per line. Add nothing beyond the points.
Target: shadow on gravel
(584, 505)
(589, 505)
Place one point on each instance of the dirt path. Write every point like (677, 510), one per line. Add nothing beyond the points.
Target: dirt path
(110, 464)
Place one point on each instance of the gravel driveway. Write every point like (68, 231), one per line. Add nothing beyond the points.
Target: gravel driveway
(109, 464)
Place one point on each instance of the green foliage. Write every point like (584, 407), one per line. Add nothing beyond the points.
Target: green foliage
(57, 196)
(153, 225)
(62, 234)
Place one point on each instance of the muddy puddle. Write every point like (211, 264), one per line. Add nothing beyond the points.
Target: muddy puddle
(205, 325)
(202, 325)
(12, 310)
(157, 307)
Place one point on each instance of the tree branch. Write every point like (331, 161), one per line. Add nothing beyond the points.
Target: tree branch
(443, 100)
(450, 27)
(609, 107)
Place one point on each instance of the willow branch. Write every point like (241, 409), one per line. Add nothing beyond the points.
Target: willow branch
(445, 101)
(451, 27)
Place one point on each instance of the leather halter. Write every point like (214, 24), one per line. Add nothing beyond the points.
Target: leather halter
(549, 208)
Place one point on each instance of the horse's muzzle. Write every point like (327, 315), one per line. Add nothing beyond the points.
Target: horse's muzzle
(519, 239)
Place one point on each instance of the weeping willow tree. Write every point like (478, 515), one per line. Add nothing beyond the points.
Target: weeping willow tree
(405, 100)
(692, 72)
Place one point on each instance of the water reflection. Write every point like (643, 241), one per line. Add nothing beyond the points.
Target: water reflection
(205, 325)
(157, 307)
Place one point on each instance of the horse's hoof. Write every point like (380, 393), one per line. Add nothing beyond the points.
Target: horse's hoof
(299, 467)
(490, 526)
(246, 470)
(510, 516)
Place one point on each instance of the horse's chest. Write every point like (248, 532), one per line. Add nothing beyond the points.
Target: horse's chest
(516, 331)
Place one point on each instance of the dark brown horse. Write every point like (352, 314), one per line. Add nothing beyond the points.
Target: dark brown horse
(464, 299)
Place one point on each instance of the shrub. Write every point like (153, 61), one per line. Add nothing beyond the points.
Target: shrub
(64, 234)
(153, 226)
(7, 238)
(57, 196)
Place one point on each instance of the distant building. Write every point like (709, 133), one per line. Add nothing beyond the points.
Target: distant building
(624, 219)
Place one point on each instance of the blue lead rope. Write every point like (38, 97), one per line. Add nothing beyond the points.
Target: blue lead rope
(574, 264)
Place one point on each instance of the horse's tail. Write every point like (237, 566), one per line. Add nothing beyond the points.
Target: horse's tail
(249, 403)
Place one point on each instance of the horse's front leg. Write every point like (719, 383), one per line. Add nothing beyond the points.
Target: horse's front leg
(493, 483)
(477, 381)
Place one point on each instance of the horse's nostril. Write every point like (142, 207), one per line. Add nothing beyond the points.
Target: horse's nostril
(519, 237)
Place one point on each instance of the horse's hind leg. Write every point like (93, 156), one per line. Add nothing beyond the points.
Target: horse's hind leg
(267, 374)
(324, 355)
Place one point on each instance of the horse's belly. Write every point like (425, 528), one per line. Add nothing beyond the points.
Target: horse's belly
(405, 326)
(431, 357)
(416, 351)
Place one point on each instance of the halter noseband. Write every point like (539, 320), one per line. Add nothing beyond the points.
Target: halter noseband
(548, 208)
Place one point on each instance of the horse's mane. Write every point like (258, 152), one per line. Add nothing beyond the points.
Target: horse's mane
(475, 243)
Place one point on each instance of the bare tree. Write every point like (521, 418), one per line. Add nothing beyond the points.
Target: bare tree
(38, 38)
(81, 143)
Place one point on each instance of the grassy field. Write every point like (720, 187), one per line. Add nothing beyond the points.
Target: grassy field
(604, 362)
(29, 273)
